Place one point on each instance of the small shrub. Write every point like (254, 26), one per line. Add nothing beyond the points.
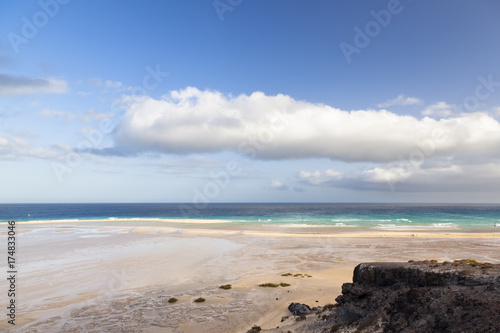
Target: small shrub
(467, 261)
(309, 275)
(287, 274)
(285, 284)
(330, 306)
(269, 284)
(298, 274)
(486, 265)
(254, 329)
(200, 300)
(434, 261)
(172, 300)
(226, 286)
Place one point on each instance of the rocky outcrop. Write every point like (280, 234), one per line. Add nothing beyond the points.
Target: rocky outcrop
(463, 296)
(298, 309)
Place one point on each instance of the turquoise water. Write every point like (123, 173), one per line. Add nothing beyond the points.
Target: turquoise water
(291, 215)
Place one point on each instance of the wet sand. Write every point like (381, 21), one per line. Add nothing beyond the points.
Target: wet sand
(91, 277)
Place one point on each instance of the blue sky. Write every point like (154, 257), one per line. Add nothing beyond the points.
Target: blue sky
(249, 101)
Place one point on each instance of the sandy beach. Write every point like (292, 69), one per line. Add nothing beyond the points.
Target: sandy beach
(93, 277)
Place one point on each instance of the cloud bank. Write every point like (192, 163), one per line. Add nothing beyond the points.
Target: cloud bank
(18, 85)
(401, 100)
(434, 175)
(280, 127)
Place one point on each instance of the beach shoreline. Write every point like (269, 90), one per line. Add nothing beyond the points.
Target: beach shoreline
(225, 227)
(123, 274)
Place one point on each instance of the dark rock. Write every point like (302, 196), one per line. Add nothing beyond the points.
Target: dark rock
(412, 297)
(298, 309)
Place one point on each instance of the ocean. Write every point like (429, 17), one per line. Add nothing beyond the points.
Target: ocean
(288, 215)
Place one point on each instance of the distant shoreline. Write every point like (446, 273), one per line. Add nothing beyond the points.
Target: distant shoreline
(226, 227)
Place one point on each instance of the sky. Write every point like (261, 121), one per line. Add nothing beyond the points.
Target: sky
(250, 101)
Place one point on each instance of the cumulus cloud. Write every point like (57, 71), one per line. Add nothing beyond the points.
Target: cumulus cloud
(92, 114)
(279, 127)
(277, 185)
(112, 84)
(98, 82)
(13, 147)
(440, 109)
(401, 100)
(87, 116)
(48, 113)
(320, 177)
(441, 175)
(18, 85)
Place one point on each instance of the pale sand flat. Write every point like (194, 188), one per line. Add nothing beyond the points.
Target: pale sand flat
(373, 234)
(211, 232)
(148, 230)
(131, 268)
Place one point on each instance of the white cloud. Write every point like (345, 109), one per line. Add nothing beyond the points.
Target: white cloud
(17, 85)
(439, 175)
(13, 147)
(98, 82)
(95, 82)
(112, 84)
(277, 185)
(47, 113)
(387, 174)
(92, 114)
(279, 127)
(85, 117)
(440, 109)
(401, 100)
(320, 177)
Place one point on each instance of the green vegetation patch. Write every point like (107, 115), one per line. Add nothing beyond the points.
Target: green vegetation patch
(172, 300)
(200, 300)
(283, 284)
(226, 286)
(254, 329)
(268, 284)
(330, 306)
